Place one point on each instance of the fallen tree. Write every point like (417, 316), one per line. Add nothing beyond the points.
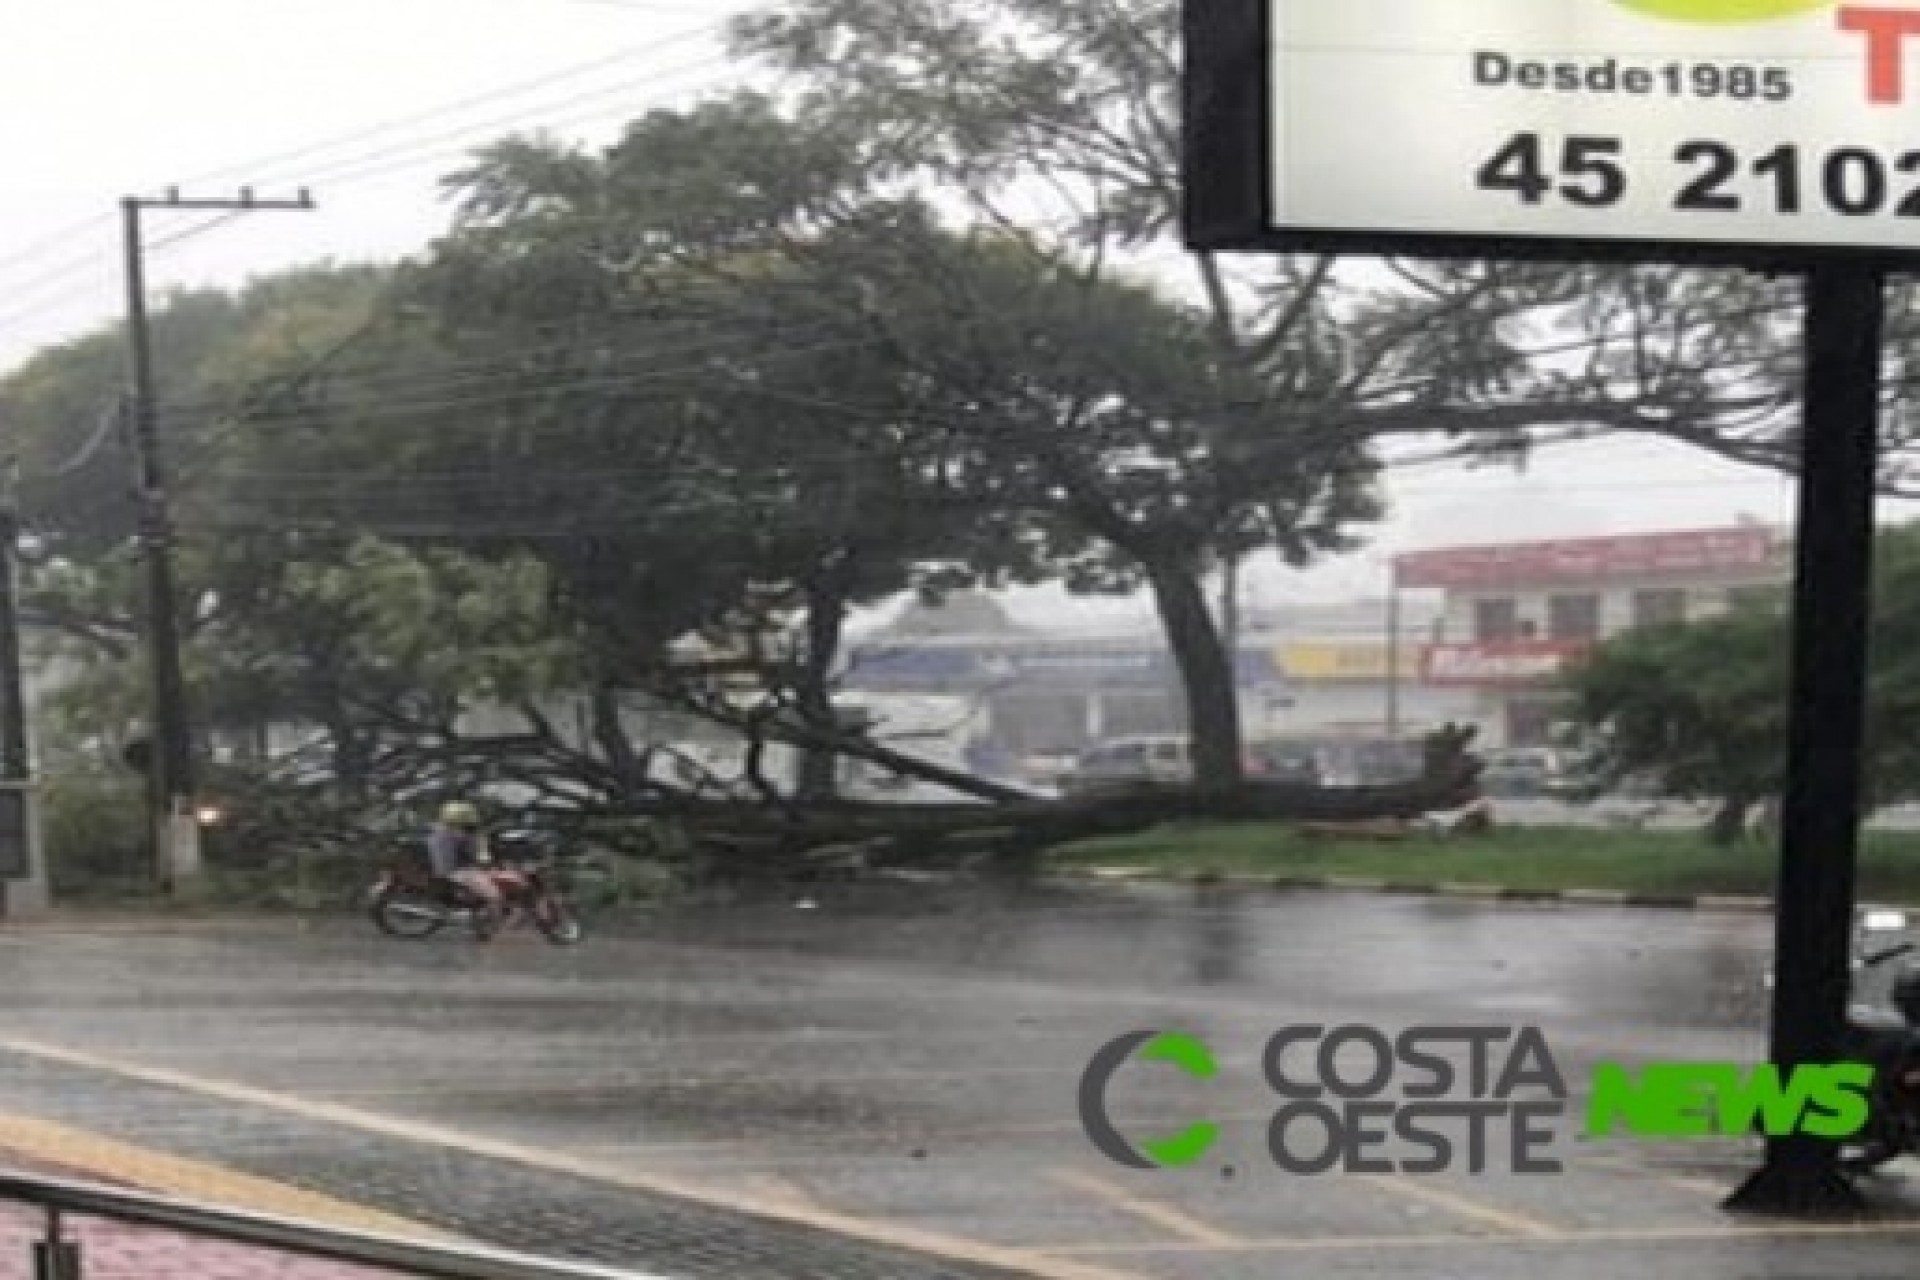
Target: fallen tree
(734, 831)
(886, 834)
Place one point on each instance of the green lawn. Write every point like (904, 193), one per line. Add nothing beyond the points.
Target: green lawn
(1666, 863)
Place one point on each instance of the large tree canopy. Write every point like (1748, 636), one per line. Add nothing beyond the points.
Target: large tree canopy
(694, 419)
(1033, 417)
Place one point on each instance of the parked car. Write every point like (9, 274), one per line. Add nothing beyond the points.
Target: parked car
(1384, 762)
(1285, 762)
(1048, 768)
(1124, 762)
(1519, 773)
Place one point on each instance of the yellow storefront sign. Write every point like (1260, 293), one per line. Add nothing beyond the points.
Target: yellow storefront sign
(1310, 661)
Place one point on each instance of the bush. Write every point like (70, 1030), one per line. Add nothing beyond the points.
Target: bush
(265, 823)
(604, 880)
(95, 828)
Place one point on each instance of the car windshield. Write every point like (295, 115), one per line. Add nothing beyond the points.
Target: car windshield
(710, 639)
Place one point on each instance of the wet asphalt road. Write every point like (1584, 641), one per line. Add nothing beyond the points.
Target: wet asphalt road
(897, 1067)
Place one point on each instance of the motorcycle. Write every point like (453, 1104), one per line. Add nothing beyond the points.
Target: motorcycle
(1888, 1040)
(410, 901)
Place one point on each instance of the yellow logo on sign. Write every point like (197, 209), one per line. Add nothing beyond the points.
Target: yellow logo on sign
(1726, 10)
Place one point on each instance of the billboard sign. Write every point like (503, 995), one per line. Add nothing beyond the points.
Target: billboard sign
(1512, 662)
(1628, 558)
(1312, 661)
(1728, 129)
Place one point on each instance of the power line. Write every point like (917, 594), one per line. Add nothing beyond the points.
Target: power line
(404, 155)
(195, 230)
(288, 483)
(482, 370)
(266, 168)
(75, 266)
(98, 221)
(528, 384)
(415, 489)
(502, 366)
(67, 268)
(1304, 453)
(351, 168)
(241, 417)
(405, 409)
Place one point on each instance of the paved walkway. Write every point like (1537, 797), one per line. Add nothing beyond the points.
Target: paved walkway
(116, 1251)
(111, 1251)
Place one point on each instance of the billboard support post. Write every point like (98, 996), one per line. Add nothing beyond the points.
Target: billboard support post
(1820, 812)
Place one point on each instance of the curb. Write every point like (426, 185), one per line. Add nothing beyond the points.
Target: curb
(1706, 902)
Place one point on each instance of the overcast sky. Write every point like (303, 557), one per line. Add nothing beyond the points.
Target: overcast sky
(370, 102)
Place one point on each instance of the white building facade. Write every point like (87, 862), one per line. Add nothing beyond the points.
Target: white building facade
(1514, 616)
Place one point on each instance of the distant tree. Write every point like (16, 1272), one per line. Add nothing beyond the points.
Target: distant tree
(1702, 707)
(1699, 707)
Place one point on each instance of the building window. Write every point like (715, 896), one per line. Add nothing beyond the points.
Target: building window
(1573, 618)
(1659, 607)
(1495, 621)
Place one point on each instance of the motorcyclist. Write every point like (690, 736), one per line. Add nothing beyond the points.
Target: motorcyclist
(457, 848)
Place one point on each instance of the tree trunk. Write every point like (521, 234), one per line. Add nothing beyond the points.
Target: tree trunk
(352, 757)
(826, 616)
(754, 766)
(1729, 822)
(1207, 674)
(610, 735)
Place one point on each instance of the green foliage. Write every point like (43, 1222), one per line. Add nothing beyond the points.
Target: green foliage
(457, 626)
(1702, 707)
(95, 828)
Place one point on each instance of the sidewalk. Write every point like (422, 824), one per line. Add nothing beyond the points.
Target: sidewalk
(117, 1251)
(112, 1251)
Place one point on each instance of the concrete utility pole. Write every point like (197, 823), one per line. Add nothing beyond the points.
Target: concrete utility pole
(176, 831)
(22, 869)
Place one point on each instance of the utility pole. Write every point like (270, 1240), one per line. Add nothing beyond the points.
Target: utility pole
(14, 765)
(176, 838)
(19, 858)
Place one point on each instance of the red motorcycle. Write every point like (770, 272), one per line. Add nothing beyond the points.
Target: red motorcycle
(410, 901)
